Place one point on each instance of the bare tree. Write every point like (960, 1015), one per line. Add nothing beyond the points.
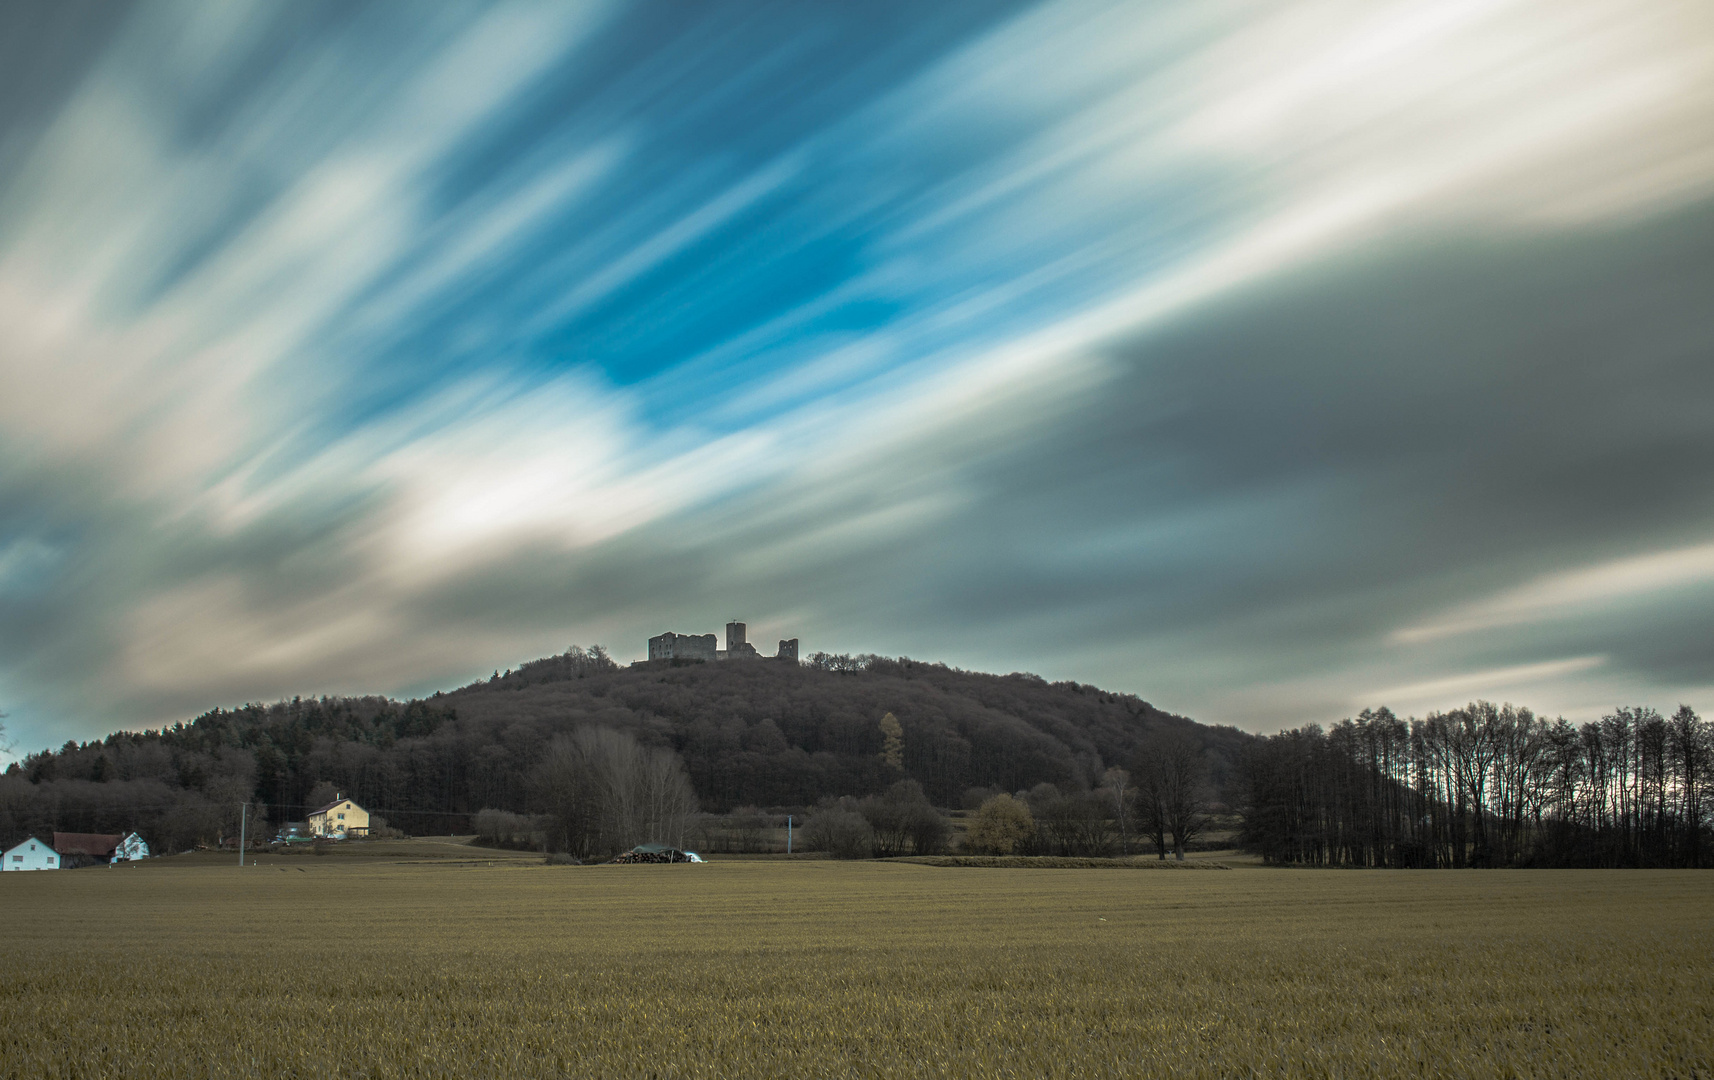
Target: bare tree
(1118, 781)
(602, 792)
(1172, 790)
(901, 816)
(1484, 785)
(1690, 750)
(840, 830)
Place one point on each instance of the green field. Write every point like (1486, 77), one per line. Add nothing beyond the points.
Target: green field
(426, 961)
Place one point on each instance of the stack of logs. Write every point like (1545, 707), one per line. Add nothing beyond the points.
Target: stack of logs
(652, 857)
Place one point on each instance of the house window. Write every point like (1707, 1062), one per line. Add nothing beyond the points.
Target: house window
(342, 817)
(17, 858)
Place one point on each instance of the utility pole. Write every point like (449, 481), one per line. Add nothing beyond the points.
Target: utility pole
(788, 834)
(243, 829)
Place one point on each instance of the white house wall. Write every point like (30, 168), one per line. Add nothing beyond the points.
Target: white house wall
(32, 854)
(132, 847)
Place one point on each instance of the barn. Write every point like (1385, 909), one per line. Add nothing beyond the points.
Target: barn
(32, 854)
(85, 848)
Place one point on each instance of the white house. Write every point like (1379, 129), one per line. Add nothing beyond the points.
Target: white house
(130, 846)
(32, 854)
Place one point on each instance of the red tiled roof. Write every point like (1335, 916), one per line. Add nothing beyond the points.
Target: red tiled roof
(97, 845)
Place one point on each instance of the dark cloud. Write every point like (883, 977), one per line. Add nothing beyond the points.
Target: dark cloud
(1291, 473)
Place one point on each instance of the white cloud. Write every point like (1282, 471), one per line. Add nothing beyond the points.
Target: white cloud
(1490, 684)
(1573, 593)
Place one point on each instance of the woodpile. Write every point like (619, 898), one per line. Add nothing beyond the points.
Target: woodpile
(667, 855)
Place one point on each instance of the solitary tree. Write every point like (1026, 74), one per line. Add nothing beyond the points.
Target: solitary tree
(1172, 790)
(1001, 826)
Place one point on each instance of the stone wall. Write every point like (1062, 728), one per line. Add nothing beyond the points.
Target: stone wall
(670, 646)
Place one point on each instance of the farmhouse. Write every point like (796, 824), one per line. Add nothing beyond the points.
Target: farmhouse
(32, 854)
(339, 819)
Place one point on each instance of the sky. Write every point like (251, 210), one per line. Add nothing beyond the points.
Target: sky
(1268, 361)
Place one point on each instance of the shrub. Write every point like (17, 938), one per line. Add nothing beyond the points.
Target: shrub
(1001, 826)
(904, 816)
(840, 831)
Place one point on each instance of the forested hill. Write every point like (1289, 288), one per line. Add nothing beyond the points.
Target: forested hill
(763, 733)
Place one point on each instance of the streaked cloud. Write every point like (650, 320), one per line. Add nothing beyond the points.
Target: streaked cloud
(1573, 593)
(1191, 350)
(1504, 683)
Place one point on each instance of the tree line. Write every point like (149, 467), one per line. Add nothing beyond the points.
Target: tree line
(757, 734)
(1484, 786)
(577, 754)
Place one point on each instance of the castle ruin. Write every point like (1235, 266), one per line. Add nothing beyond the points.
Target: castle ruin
(671, 646)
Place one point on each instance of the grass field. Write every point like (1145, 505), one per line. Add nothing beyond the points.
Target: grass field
(395, 965)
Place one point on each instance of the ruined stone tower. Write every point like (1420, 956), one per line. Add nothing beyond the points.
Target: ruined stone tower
(737, 646)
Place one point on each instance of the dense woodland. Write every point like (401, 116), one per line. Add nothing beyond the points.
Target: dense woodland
(580, 755)
(755, 734)
(1485, 785)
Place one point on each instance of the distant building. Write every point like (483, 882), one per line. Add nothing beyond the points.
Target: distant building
(32, 854)
(130, 847)
(670, 646)
(339, 819)
(86, 848)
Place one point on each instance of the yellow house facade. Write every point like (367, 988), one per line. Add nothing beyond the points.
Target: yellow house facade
(339, 818)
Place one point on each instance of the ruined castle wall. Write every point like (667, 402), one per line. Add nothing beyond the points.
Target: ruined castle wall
(671, 646)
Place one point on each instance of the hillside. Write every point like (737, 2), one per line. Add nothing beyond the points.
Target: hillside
(759, 733)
